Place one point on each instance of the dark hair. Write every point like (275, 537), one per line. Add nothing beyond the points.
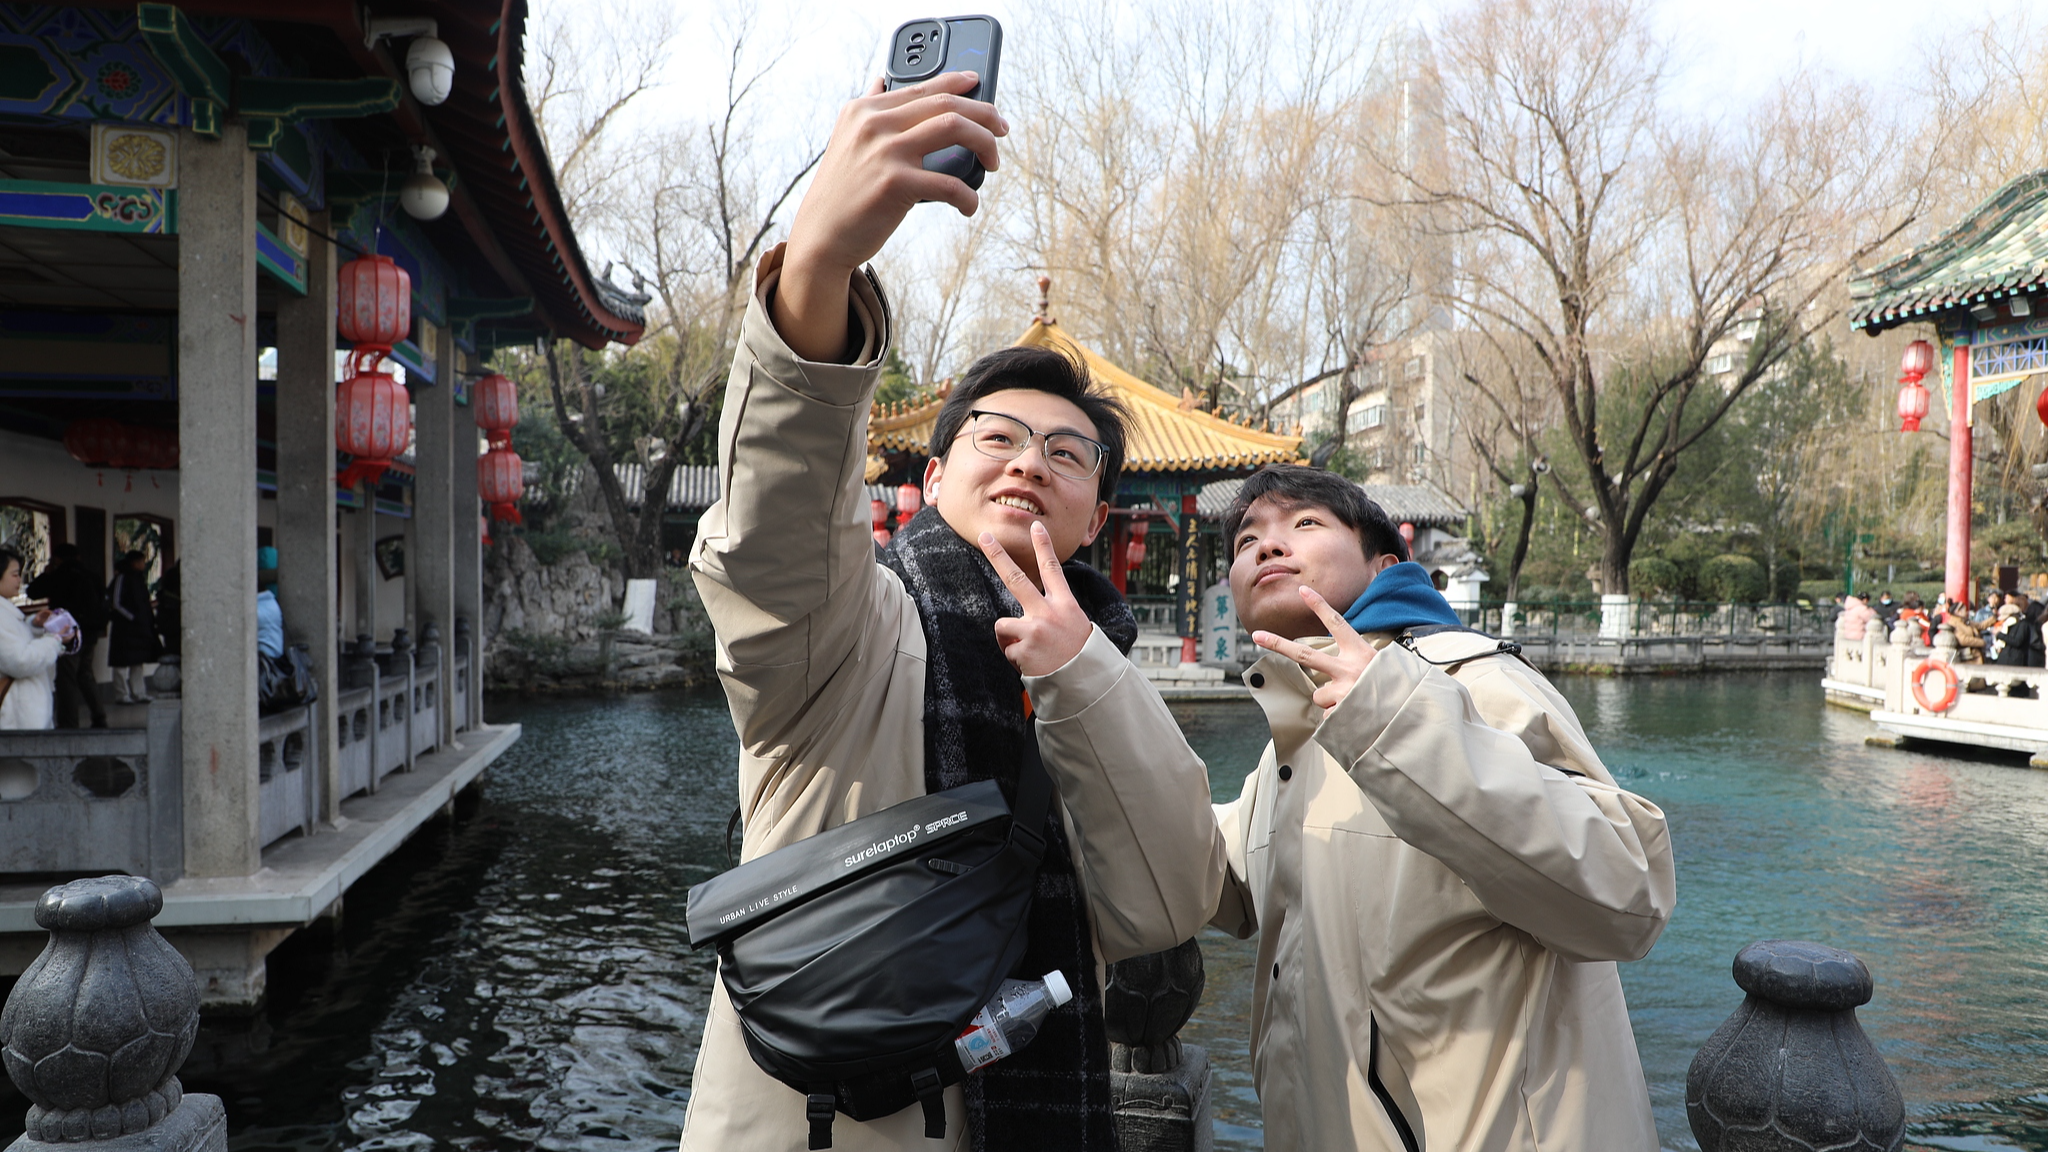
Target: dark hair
(9, 556)
(1294, 486)
(134, 557)
(66, 551)
(1039, 370)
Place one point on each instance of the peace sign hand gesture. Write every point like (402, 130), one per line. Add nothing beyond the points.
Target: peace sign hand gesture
(1344, 664)
(1054, 627)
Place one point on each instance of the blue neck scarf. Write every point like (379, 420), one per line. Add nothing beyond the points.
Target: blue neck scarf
(1399, 598)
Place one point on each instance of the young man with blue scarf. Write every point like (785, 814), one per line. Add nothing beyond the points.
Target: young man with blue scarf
(1440, 871)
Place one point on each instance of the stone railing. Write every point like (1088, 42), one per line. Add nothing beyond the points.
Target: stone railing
(287, 773)
(1876, 671)
(97, 1027)
(1159, 1086)
(95, 800)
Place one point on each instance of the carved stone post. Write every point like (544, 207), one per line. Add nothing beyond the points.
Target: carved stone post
(1159, 1086)
(96, 1029)
(1791, 1070)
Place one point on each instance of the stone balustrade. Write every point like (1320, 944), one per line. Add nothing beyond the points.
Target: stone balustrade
(1159, 1086)
(1792, 1070)
(97, 1027)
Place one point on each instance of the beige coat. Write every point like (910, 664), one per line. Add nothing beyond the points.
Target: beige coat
(823, 661)
(1419, 865)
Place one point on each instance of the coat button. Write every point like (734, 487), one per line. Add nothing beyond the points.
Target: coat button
(1276, 971)
(1258, 679)
(1286, 773)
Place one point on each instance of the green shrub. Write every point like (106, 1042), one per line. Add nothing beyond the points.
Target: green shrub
(1648, 574)
(1734, 578)
(550, 545)
(1785, 580)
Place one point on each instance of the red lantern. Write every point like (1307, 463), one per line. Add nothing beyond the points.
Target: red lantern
(1912, 404)
(92, 441)
(373, 423)
(878, 514)
(500, 477)
(909, 498)
(1407, 532)
(1134, 552)
(1918, 360)
(881, 537)
(374, 298)
(2041, 406)
(497, 407)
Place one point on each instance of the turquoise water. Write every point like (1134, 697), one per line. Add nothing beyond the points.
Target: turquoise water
(520, 978)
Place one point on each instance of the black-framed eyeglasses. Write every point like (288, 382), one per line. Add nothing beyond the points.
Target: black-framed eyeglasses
(1003, 437)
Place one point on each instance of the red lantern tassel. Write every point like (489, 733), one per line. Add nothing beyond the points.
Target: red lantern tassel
(508, 513)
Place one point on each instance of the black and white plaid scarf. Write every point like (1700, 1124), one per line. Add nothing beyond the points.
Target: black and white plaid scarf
(1054, 1093)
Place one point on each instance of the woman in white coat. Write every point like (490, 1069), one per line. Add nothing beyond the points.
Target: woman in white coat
(28, 658)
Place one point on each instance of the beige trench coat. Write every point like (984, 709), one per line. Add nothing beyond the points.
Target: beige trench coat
(823, 661)
(1443, 863)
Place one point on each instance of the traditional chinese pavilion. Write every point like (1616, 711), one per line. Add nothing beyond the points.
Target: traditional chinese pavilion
(182, 188)
(1982, 287)
(1174, 449)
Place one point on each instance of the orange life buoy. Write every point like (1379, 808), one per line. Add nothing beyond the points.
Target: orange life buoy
(1948, 685)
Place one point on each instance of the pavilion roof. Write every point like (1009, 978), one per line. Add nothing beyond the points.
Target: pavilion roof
(2000, 249)
(1167, 433)
(506, 200)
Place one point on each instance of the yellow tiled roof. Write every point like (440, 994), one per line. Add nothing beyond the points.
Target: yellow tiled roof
(1165, 435)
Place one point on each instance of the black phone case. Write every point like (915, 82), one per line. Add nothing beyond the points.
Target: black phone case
(956, 161)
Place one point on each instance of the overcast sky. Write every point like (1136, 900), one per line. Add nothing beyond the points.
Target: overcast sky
(1725, 50)
(1726, 45)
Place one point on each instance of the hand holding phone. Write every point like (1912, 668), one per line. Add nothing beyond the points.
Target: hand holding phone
(921, 49)
(873, 172)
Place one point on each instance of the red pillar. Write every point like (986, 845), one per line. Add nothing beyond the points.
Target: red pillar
(1119, 537)
(1957, 579)
(1190, 592)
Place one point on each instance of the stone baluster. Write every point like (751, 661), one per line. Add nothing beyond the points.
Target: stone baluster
(430, 646)
(1946, 648)
(95, 1030)
(359, 663)
(1791, 1070)
(398, 661)
(1159, 1086)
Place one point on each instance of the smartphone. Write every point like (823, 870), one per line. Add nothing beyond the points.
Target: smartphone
(921, 49)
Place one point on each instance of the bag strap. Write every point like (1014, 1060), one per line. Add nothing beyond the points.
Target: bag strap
(1034, 798)
(820, 1105)
(931, 1093)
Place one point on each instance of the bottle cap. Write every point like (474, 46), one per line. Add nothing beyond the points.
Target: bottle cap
(1057, 985)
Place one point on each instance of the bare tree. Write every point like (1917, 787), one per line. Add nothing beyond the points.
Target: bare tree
(1621, 246)
(694, 213)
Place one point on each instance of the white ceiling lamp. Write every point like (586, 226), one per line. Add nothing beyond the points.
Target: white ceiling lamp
(423, 196)
(429, 65)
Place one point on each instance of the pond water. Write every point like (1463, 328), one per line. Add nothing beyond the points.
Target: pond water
(520, 978)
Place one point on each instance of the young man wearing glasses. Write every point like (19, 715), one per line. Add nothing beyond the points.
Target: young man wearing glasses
(857, 681)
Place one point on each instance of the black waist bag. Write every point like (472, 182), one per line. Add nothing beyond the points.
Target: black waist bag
(855, 957)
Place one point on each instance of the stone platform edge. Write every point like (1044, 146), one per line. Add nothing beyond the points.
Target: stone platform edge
(302, 876)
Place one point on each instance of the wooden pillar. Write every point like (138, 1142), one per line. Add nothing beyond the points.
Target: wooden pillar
(1957, 577)
(307, 577)
(217, 498)
(429, 566)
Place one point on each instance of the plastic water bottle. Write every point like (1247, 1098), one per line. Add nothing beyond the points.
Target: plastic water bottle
(1011, 1020)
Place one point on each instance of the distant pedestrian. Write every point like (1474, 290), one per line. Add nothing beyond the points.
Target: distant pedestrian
(1856, 617)
(28, 657)
(1993, 601)
(2020, 640)
(68, 585)
(133, 642)
(1887, 609)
